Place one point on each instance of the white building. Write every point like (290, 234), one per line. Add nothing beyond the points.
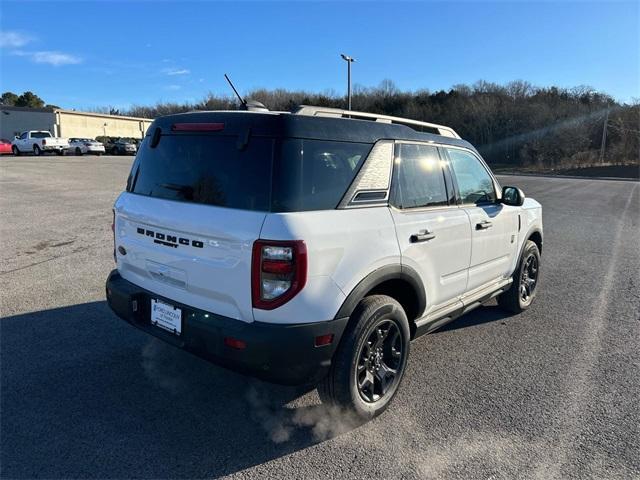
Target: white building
(69, 123)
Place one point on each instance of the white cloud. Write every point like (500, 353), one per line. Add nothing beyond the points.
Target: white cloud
(50, 57)
(10, 39)
(173, 87)
(55, 58)
(177, 71)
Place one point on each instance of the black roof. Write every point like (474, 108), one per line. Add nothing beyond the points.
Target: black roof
(302, 126)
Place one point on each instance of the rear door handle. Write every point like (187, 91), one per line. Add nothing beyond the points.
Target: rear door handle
(484, 225)
(422, 236)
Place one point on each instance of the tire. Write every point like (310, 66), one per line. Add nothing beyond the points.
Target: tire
(526, 278)
(15, 151)
(352, 365)
(60, 152)
(78, 151)
(36, 150)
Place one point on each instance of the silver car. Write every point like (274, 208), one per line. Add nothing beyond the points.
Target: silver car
(80, 146)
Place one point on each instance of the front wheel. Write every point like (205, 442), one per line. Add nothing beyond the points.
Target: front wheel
(370, 361)
(523, 290)
(15, 151)
(78, 151)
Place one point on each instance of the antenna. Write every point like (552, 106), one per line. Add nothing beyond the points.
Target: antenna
(242, 100)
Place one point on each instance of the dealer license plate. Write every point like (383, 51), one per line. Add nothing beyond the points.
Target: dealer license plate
(166, 316)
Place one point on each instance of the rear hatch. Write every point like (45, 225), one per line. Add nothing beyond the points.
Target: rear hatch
(196, 200)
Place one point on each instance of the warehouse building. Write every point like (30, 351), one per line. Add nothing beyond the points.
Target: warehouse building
(69, 123)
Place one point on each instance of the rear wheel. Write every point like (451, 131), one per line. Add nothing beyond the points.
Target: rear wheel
(36, 150)
(370, 361)
(60, 152)
(78, 151)
(523, 290)
(15, 151)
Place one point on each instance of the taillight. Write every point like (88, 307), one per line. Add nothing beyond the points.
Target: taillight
(44, 141)
(113, 231)
(87, 144)
(278, 272)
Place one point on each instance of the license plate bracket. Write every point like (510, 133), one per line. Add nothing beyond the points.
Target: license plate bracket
(166, 316)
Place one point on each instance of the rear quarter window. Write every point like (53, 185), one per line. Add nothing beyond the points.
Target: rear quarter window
(315, 174)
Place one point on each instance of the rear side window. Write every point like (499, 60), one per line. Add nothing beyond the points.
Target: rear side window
(315, 174)
(211, 170)
(474, 182)
(418, 178)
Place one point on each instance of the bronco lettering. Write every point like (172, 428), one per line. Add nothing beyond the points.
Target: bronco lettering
(169, 240)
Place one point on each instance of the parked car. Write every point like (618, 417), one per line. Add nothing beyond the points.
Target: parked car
(122, 146)
(37, 142)
(311, 248)
(5, 147)
(80, 146)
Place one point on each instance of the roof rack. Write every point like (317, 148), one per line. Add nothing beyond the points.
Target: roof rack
(339, 113)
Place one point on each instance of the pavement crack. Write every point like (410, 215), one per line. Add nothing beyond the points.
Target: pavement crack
(77, 250)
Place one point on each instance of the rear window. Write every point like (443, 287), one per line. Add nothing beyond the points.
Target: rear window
(40, 135)
(205, 169)
(266, 174)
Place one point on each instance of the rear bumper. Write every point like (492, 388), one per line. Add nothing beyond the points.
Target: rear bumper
(283, 354)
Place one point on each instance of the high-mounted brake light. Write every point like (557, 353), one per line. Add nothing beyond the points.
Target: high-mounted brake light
(278, 272)
(197, 127)
(235, 343)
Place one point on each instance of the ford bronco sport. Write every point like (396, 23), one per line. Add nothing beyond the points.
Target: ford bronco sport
(312, 247)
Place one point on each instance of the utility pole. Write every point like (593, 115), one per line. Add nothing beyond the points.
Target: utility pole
(604, 136)
(349, 61)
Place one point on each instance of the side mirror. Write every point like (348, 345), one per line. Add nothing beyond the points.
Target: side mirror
(512, 196)
(16, 137)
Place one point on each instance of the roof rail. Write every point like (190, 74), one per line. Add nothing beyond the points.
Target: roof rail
(339, 113)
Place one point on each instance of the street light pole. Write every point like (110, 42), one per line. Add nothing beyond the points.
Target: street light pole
(349, 61)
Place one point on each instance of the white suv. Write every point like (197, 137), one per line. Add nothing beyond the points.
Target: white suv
(312, 247)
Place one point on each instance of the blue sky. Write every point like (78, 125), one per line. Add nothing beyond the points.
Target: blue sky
(83, 54)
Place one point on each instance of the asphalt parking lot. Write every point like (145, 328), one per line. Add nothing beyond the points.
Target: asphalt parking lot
(551, 393)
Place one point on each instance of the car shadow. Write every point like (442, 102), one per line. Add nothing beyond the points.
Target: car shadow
(86, 395)
(485, 314)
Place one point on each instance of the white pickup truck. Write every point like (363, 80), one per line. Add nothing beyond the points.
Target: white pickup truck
(38, 142)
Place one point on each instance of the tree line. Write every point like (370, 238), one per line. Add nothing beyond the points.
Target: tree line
(512, 125)
(27, 99)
